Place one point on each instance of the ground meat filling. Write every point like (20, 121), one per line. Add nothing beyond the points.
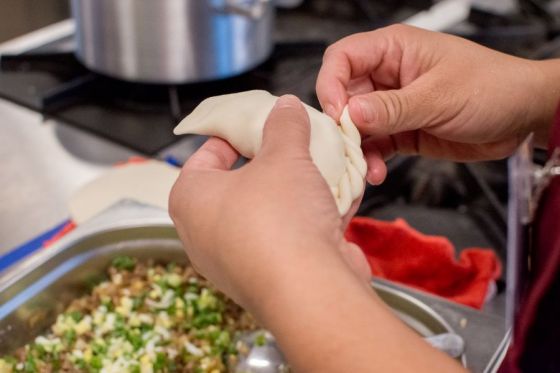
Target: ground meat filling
(144, 318)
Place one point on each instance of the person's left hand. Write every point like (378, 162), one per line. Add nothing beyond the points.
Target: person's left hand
(266, 220)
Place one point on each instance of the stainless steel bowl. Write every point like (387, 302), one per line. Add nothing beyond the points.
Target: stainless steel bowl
(37, 289)
(32, 294)
(172, 41)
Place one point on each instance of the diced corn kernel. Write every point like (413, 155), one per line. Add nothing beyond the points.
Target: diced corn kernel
(174, 279)
(117, 279)
(84, 325)
(88, 355)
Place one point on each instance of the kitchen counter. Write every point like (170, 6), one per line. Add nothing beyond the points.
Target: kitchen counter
(43, 163)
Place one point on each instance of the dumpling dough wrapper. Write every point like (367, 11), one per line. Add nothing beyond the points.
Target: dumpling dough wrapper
(239, 119)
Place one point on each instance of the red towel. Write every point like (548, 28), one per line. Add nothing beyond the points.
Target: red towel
(397, 252)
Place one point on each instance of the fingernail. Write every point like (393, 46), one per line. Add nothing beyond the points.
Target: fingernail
(330, 110)
(368, 116)
(375, 176)
(287, 101)
(370, 178)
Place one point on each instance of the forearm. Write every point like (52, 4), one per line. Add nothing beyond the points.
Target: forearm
(326, 320)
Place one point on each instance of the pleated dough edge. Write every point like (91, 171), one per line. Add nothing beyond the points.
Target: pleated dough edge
(352, 182)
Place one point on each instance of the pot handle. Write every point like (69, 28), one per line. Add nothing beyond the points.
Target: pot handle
(253, 9)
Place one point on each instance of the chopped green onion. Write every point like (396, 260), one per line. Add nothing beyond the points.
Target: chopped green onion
(96, 362)
(76, 315)
(161, 362)
(30, 366)
(69, 337)
(260, 340)
(124, 262)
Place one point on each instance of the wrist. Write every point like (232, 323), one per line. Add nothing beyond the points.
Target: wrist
(548, 94)
(293, 276)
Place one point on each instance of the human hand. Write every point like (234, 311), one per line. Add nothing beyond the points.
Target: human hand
(249, 228)
(418, 92)
(270, 236)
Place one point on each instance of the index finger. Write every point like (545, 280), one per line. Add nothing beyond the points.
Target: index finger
(351, 57)
(214, 154)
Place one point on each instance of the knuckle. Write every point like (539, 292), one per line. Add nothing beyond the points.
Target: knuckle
(180, 198)
(339, 47)
(395, 106)
(292, 115)
(319, 86)
(433, 97)
(348, 42)
(397, 28)
(300, 124)
(331, 51)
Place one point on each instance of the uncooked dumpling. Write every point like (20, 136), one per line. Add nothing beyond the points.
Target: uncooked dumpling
(239, 119)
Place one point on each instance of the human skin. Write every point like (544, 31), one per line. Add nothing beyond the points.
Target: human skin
(413, 91)
(270, 236)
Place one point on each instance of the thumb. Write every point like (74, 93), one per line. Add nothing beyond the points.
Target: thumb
(383, 113)
(287, 129)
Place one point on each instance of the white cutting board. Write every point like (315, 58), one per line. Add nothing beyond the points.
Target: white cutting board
(148, 182)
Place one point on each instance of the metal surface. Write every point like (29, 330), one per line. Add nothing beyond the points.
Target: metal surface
(450, 343)
(32, 293)
(173, 41)
(519, 214)
(264, 354)
(483, 333)
(499, 355)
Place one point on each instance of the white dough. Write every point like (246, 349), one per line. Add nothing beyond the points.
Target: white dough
(239, 119)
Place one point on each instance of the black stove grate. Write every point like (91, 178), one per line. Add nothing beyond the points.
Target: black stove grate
(142, 116)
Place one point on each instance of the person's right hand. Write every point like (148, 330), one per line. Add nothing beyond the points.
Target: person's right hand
(413, 91)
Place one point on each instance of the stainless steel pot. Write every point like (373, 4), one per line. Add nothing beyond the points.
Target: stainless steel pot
(172, 41)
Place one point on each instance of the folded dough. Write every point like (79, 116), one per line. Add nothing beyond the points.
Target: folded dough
(239, 119)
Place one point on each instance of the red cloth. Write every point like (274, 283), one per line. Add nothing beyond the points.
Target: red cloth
(397, 252)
